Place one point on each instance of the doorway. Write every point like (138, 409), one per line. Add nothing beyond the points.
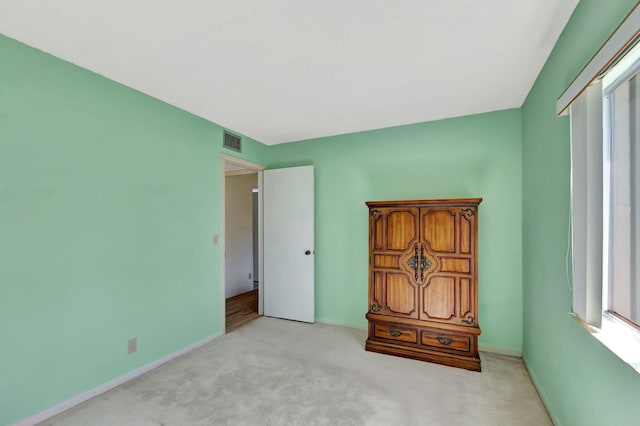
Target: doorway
(285, 232)
(242, 242)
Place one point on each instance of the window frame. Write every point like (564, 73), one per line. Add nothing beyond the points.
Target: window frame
(622, 73)
(591, 219)
(588, 264)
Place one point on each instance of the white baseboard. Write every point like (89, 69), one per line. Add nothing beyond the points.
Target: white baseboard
(340, 324)
(543, 396)
(91, 393)
(499, 350)
(481, 347)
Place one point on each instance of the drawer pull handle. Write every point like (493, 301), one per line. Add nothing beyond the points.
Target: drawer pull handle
(445, 340)
(395, 333)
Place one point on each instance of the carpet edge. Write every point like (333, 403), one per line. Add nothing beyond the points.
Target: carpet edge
(100, 389)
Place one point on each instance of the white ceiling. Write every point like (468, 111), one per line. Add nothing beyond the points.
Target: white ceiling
(285, 70)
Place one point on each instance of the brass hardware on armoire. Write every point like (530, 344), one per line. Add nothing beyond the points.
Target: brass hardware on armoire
(424, 263)
(445, 340)
(467, 212)
(419, 263)
(468, 320)
(413, 263)
(423, 279)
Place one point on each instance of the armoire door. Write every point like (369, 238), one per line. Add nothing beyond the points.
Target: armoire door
(448, 293)
(393, 263)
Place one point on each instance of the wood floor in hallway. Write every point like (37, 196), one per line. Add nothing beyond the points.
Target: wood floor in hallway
(241, 309)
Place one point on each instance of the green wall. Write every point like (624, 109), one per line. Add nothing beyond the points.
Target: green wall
(109, 200)
(474, 156)
(108, 203)
(581, 382)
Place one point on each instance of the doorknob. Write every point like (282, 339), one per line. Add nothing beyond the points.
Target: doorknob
(308, 252)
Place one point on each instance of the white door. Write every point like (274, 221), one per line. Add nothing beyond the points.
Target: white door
(289, 243)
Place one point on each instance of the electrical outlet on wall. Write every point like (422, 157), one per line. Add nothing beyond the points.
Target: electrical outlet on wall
(249, 275)
(132, 345)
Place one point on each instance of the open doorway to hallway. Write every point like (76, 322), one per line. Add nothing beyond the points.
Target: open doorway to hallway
(241, 246)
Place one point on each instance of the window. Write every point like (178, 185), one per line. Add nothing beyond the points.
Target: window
(604, 104)
(621, 93)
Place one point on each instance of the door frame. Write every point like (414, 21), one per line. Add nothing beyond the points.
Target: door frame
(258, 168)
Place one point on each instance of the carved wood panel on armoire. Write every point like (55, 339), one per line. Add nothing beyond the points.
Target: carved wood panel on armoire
(423, 280)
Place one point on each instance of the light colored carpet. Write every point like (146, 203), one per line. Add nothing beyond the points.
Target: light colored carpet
(276, 372)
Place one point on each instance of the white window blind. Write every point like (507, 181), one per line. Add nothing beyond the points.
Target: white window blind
(586, 203)
(604, 103)
(624, 103)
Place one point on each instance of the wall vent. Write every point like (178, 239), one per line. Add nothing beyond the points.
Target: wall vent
(232, 141)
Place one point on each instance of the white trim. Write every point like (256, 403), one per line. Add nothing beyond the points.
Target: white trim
(482, 347)
(260, 243)
(620, 40)
(241, 162)
(500, 350)
(239, 172)
(92, 393)
(620, 338)
(258, 168)
(622, 71)
(341, 324)
(543, 396)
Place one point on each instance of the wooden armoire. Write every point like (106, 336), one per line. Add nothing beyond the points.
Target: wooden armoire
(423, 280)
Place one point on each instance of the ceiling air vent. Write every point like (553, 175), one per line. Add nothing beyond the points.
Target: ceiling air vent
(232, 142)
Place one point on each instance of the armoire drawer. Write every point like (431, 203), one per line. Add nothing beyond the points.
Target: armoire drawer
(456, 342)
(392, 332)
